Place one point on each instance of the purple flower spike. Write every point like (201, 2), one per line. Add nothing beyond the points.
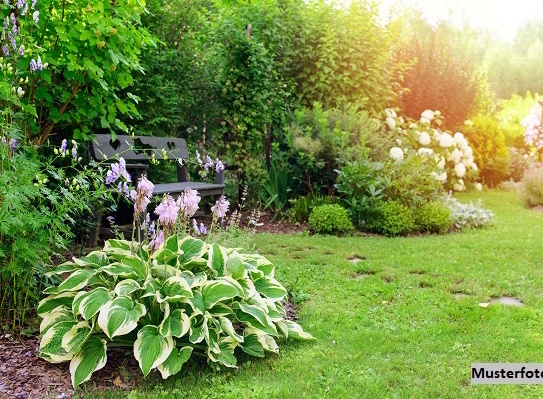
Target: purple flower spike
(13, 144)
(15, 30)
(33, 65)
(36, 16)
(34, 3)
(203, 229)
(209, 163)
(20, 4)
(39, 64)
(167, 211)
(219, 166)
(5, 50)
(74, 152)
(221, 207)
(6, 23)
(21, 50)
(64, 145)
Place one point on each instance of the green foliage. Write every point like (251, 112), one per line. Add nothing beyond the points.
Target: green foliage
(471, 216)
(519, 162)
(509, 115)
(395, 219)
(489, 149)
(433, 217)
(39, 206)
(275, 189)
(531, 187)
(303, 206)
(187, 297)
(330, 219)
(442, 74)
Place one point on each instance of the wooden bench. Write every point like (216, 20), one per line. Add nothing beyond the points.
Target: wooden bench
(138, 151)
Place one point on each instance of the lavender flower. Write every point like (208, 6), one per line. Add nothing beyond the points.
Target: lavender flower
(12, 40)
(74, 150)
(188, 202)
(209, 163)
(15, 30)
(143, 193)
(6, 23)
(64, 147)
(195, 227)
(198, 158)
(5, 50)
(20, 91)
(33, 65)
(116, 171)
(219, 166)
(157, 241)
(34, 4)
(39, 64)
(152, 231)
(141, 204)
(25, 9)
(167, 211)
(145, 187)
(13, 19)
(20, 4)
(133, 195)
(36, 16)
(203, 229)
(111, 220)
(12, 144)
(21, 50)
(221, 207)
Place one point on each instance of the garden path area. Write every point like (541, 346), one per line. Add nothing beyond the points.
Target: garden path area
(404, 321)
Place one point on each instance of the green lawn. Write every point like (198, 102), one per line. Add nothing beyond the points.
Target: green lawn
(409, 326)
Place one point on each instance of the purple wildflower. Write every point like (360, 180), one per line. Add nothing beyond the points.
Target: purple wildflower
(13, 19)
(33, 65)
(145, 187)
(198, 158)
(34, 3)
(15, 30)
(5, 50)
(74, 150)
(6, 23)
(25, 9)
(141, 204)
(221, 207)
(195, 227)
(167, 211)
(116, 171)
(203, 229)
(142, 196)
(36, 16)
(209, 163)
(39, 64)
(133, 195)
(20, 4)
(157, 241)
(188, 202)
(152, 229)
(111, 220)
(21, 50)
(64, 145)
(219, 165)
(12, 144)
(12, 40)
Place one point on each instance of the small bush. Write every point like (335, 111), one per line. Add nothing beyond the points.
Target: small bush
(472, 216)
(328, 219)
(433, 217)
(396, 219)
(303, 206)
(532, 187)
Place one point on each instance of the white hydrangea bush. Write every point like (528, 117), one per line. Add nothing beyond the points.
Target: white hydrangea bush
(451, 152)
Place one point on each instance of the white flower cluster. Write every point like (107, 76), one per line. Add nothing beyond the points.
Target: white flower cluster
(450, 152)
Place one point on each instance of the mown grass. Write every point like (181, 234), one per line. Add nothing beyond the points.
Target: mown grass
(404, 322)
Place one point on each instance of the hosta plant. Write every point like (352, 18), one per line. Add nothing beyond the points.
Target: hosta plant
(188, 297)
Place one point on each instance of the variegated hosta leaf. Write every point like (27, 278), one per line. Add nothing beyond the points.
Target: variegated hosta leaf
(224, 288)
(77, 280)
(113, 243)
(90, 358)
(197, 303)
(296, 332)
(51, 302)
(225, 354)
(138, 265)
(73, 339)
(198, 329)
(256, 317)
(220, 309)
(61, 313)
(173, 364)
(151, 348)
(193, 263)
(175, 289)
(120, 316)
(275, 313)
(132, 268)
(150, 288)
(51, 342)
(216, 259)
(194, 280)
(66, 267)
(267, 342)
(248, 287)
(93, 260)
(228, 328)
(235, 267)
(282, 328)
(88, 303)
(270, 288)
(126, 287)
(192, 248)
(176, 324)
(252, 346)
(164, 271)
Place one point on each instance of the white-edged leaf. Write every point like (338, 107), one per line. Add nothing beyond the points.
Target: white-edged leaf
(76, 280)
(173, 364)
(194, 280)
(51, 342)
(175, 289)
(113, 243)
(228, 328)
(151, 348)
(126, 287)
(235, 267)
(225, 355)
(51, 302)
(94, 260)
(90, 358)
(256, 317)
(88, 303)
(295, 331)
(73, 339)
(216, 259)
(252, 346)
(66, 267)
(137, 264)
(192, 248)
(176, 324)
(58, 314)
(222, 289)
(270, 288)
(120, 316)
(118, 269)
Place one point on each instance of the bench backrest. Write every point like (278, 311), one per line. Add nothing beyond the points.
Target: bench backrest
(138, 147)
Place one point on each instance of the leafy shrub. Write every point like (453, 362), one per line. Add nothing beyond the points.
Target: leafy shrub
(470, 215)
(520, 161)
(395, 219)
(303, 206)
(531, 187)
(187, 297)
(330, 219)
(433, 217)
(489, 150)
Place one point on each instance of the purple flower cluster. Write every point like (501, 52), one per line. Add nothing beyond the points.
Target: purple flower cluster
(167, 211)
(188, 202)
(116, 171)
(64, 147)
(142, 195)
(199, 230)
(220, 208)
(13, 144)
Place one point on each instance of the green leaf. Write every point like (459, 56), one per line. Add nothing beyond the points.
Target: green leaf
(176, 324)
(252, 346)
(73, 339)
(126, 287)
(118, 269)
(51, 302)
(61, 313)
(90, 358)
(216, 259)
(270, 288)
(235, 268)
(256, 317)
(228, 328)
(192, 248)
(120, 316)
(173, 364)
(76, 280)
(218, 290)
(66, 267)
(175, 289)
(151, 349)
(88, 303)
(94, 259)
(295, 331)
(226, 355)
(51, 342)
